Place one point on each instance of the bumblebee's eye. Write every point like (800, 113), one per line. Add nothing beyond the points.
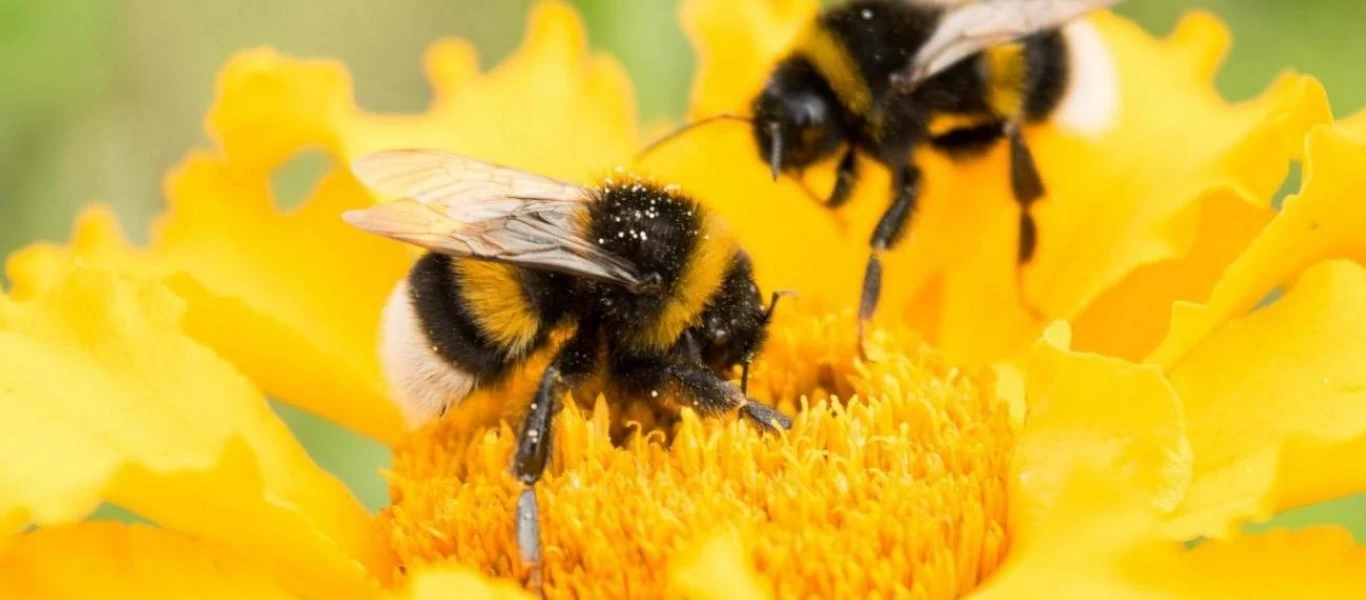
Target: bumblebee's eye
(808, 111)
(794, 127)
(812, 137)
(812, 133)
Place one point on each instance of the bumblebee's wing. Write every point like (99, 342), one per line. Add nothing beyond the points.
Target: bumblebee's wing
(970, 26)
(463, 207)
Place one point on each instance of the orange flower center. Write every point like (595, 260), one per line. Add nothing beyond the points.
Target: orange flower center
(900, 490)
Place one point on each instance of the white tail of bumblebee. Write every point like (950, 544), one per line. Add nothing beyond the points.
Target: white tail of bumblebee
(423, 384)
(1090, 107)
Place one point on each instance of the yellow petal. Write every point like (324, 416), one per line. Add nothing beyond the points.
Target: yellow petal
(109, 561)
(1355, 123)
(736, 44)
(270, 106)
(96, 236)
(1294, 367)
(292, 299)
(1310, 563)
(1081, 541)
(1099, 543)
(1301, 479)
(1098, 409)
(449, 583)
(718, 570)
(1172, 164)
(1253, 381)
(1131, 195)
(1326, 220)
(1130, 319)
(106, 398)
(551, 107)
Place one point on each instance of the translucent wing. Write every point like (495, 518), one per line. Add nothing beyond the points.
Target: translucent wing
(970, 26)
(463, 207)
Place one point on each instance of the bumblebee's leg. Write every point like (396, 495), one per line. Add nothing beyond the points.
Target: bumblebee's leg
(890, 228)
(1027, 186)
(533, 444)
(710, 395)
(533, 451)
(845, 176)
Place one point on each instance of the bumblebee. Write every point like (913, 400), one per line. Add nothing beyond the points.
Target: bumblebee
(875, 77)
(881, 77)
(657, 294)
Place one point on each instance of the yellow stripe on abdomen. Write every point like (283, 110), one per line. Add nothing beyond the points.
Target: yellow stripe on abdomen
(944, 123)
(1007, 78)
(493, 294)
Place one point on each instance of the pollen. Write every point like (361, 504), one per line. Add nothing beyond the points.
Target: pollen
(891, 482)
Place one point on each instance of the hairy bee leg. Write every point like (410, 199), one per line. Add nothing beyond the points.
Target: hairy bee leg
(765, 416)
(533, 452)
(710, 395)
(845, 176)
(872, 289)
(890, 228)
(1027, 186)
(533, 443)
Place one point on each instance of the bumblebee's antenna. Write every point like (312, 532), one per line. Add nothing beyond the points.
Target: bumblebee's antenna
(686, 128)
(775, 154)
(773, 302)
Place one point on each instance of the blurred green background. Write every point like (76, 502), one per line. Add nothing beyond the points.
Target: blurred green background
(101, 97)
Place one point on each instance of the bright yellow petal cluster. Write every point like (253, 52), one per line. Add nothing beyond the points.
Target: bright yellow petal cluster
(107, 399)
(107, 560)
(1162, 406)
(1254, 410)
(293, 299)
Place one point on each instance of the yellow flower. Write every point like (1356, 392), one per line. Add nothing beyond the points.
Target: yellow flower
(1158, 408)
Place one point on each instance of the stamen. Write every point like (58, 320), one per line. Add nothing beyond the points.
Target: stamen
(906, 482)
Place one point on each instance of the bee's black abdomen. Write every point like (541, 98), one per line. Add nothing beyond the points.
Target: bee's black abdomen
(449, 324)
(1048, 68)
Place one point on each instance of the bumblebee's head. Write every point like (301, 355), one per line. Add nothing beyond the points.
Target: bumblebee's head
(797, 118)
(735, 323)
